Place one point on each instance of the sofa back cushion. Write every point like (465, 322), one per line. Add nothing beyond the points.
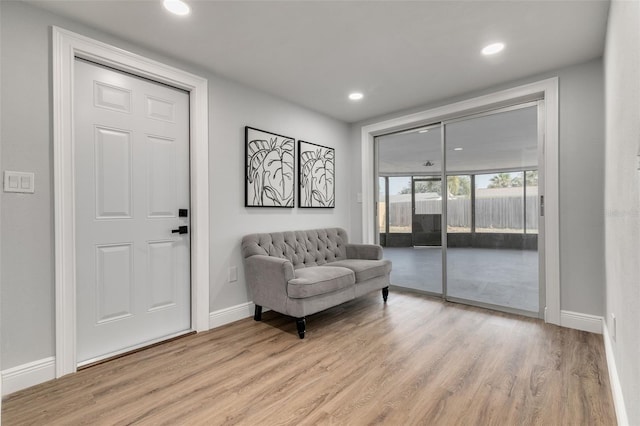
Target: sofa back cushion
(312, 247)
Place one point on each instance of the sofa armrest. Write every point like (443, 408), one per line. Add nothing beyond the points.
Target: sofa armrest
(268, 270)
(267, 277)
(364, 251)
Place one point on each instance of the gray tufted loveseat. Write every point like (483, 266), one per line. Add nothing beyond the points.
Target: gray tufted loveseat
(299, 273)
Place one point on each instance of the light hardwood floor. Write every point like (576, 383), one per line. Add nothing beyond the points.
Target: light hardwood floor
(415, 360)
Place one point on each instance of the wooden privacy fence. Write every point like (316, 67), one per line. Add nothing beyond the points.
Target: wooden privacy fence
(494, 212)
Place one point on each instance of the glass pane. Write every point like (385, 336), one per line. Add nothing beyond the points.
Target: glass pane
(459, 204)
(382, 205)
(532, 201)
(500, 203)
(490, 259)
(400, 204)
(412, 163)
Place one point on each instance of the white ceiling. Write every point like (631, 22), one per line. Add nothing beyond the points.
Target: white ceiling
(500, 141)
(400, 54)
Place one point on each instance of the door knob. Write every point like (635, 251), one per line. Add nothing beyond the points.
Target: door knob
(180, 230)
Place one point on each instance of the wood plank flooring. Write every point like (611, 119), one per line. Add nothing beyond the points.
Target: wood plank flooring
(415, 360)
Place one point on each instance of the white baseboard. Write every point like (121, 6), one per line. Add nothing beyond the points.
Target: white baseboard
(616, 388)
(36, 372)
(27, 375)
(580, 321)
(231, 314)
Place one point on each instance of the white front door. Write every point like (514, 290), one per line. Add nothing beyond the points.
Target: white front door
(131, 181)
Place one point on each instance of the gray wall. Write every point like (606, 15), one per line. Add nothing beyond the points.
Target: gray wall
(622, 200)
(27, 277)
(581, 147)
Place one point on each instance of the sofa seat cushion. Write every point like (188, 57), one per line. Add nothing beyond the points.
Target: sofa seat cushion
(365, 269)
(316, 280)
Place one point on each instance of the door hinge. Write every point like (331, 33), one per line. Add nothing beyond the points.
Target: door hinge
(542, 205)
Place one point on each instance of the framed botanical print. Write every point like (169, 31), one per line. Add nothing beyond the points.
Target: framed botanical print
(316, 181)
(269, 169)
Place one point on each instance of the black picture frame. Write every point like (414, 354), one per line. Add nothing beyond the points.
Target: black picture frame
(316, 176)
(269, 169)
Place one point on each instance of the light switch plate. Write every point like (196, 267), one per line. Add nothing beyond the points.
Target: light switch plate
(233, 274)
(19, 182)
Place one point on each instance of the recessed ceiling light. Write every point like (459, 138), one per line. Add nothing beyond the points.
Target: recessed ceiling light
(492, 49)
(177, 7)
(423, 131)
(356, 96)
(457, 149)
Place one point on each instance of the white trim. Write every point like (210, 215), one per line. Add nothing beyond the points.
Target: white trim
(614, 379)
(548, 90)
(580, 321)
(27, 375)
(67, 46)
(231, 314)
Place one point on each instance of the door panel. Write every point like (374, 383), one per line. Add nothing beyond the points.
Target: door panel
(114, 281)
(162, 173)
(112, 97)
(410, 163)
(132, 175)
(160, 109)
(492, 259)
(162, 273)
(113, 173)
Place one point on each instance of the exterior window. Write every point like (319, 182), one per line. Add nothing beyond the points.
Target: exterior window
(459, 204)
(500, 202)
(400, 204)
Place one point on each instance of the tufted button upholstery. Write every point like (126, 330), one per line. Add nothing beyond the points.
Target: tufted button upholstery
(313, 247)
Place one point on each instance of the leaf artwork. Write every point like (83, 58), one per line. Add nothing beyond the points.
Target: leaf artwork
(317, 173)
(269, 169)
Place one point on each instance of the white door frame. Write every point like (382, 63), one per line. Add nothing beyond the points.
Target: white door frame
(545, 89)
(66, 47)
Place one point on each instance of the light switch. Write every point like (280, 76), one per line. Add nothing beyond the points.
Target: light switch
(19, 182)
(233, 274)
(25, 182)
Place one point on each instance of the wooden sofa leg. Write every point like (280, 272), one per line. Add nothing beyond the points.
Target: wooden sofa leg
(301, 324)
(385, 293)
(257, 316)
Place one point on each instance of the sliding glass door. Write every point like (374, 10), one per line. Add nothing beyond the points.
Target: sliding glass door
(410, 206)
(482, 225)
(492, 259)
